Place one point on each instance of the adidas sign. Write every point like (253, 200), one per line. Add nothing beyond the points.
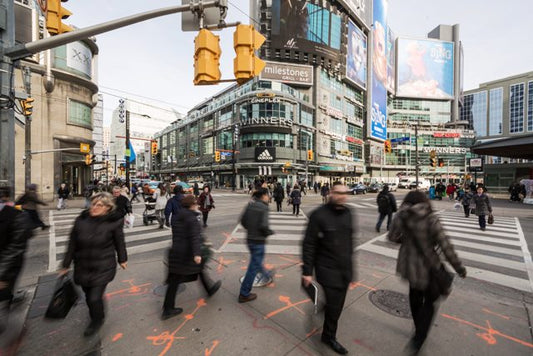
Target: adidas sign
(265, 156)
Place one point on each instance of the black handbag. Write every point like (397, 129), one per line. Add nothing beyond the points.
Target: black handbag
(472, 210)
(65, 296)
(491, 219)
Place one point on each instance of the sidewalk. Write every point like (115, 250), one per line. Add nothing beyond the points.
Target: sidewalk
(280, 321)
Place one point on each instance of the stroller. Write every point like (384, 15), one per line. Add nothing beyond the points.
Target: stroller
(149, 211)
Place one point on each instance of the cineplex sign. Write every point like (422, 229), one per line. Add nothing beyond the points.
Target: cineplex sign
(288, 73)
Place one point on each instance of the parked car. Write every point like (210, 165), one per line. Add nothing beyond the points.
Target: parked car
(200, 183)
(393, 187)
(358, 189)
(404, 183)
(187, 189)
(374, 188)
(423, 185)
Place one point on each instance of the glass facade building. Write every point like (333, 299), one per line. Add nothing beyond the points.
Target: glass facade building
(516, 108)
(530, 106)
(495, 111)
(474, 110)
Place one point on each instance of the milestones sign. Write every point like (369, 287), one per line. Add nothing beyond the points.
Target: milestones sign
(288, 73)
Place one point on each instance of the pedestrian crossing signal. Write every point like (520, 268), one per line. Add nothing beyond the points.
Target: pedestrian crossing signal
(217, 156)
(441, 162)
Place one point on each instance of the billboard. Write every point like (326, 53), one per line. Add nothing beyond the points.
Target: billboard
(425, 69)
(306, 27)
(359, 8)
(378, 111)
(356, 56)
(391, 60)
(288, 73)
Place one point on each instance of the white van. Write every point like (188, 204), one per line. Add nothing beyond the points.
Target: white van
(405, 182)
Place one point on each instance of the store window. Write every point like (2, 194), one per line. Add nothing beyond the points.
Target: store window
(79, 114)
(270, 139)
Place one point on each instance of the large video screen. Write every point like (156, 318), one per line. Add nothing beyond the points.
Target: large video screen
(378, 119)
(425, 69)
(303, 26)
(356, 65)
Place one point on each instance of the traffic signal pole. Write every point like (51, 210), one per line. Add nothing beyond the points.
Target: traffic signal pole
(27, 130)
(128, 149)
(416, 155)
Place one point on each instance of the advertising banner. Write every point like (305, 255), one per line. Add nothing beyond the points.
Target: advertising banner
(288, 73)
(306, 27)
(391, 61)
(378, 120)
(79, 57)
(360, 9)
(356, 57)
(265, 154)
(425, 69)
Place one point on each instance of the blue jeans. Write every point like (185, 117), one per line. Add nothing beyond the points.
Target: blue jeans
(257, 254)
(482, 221)
(382, 217)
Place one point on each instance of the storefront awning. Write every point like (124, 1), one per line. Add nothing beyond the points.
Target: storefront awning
(512, 147)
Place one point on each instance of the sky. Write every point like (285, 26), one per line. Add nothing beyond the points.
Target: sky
(154, 59)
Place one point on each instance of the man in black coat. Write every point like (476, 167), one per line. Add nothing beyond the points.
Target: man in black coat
(123, 204)
(327, 250)
(173, 206)
(386, 206)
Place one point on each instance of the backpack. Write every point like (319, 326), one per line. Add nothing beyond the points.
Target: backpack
(383, 203)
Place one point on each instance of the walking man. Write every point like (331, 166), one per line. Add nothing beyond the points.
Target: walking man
(327, 250)
(62, 196)
(386, 206)
(324, 191)
(255, 221)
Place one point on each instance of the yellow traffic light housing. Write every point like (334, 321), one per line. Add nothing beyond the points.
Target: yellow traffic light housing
(433, 161)
(154, 148)
(217, 156)
(388, 147)
(54, 15)
(88, 159)
(27, 107)
(309, 155)
(206, 58)
(441, 162)
(245, 41)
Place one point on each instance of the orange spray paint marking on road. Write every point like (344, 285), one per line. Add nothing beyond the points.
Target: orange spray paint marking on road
(132, 290)
(493, 313)
(166, 338)
(289, 305)
(312, 332)
(208, 352)
(222, 262)
(117, 337)
(359, 284)
(490, 333)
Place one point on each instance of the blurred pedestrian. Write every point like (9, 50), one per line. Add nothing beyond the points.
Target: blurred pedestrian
(196, 189)
(62, 196)
(121, 203)
(88, 191)
(96, 232)
(185, 259)
(279, 195)
(421, 234)
(327, 250)
(288, 189)
(386, 206)
(173, 206)
(324, 192)
(160, 196)
(296, 200)
(465, 201)
(255, 220)
(432, 192)
(315, 187)
(206, 203)
(15, 231)
(450, 190)
(483, 207)
(29, 201)
(135, 193)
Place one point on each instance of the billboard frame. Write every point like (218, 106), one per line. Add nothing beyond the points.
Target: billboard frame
(365, 87)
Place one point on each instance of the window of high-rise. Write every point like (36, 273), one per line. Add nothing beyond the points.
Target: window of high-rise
(474, 110)
(530, 106)
(495, 111)
(516, 108)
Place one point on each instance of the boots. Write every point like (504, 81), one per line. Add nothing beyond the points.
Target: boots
(210, 287)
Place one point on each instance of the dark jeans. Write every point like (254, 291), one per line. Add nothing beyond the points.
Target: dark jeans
(482, 221)
(466, 208)
(94, 296)
(423, 308)
(334, 303)
(205, 215)
(278, 204)
(381, 218)
(296, 209)
(257, 255)
(174, 281)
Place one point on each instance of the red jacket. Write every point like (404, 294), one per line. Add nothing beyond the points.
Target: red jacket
(201, 202)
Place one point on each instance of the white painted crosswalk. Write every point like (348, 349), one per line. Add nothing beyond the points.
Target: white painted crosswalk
(498, 255)
(288, 233)
(139, 239)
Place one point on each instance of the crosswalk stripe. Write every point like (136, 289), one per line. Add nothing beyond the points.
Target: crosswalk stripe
(507, 251)
(269, 249)
(476, 230)
(468, 223)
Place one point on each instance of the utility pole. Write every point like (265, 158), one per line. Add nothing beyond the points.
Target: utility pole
(235, 137)
(26, 72)
(128, 152)
(306, 157)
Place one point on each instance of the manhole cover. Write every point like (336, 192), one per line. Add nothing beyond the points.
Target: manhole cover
(391, 302)
(161, 290)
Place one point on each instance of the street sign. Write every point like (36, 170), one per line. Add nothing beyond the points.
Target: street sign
(85, 148)
(399, 139)
(191, 22)
(476, 165)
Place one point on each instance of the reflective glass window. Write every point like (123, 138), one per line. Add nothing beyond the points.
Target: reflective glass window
(516, 108)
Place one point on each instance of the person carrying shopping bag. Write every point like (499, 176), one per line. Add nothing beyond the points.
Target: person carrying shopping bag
(483, 207)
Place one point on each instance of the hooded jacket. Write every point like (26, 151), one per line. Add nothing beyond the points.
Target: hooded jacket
(420, 223)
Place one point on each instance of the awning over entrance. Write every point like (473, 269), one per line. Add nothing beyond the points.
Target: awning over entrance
(512, 147)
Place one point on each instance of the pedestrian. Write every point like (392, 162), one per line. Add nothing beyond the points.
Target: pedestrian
(62, 196)
(160, 196)
(29, 201)
(465, 201)
(88, 191)
(303, 188)
(472, 187)
(122, 205)
(386, 206)
(15, 231)
(185, 258)
(327, 249)
(96, 232)
(255, 220)
(206, 203)
(421, 234)
(135, 193)
(147, 192)
(324, 192)
(250, 187)
(432, 192)
(279, 195)
(315, 187)
(196, 189)
(173, 206)
(288, 189)
(450, 190)
(483, 207)
(296, 200)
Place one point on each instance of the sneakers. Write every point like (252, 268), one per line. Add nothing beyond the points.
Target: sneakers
(93, 327)
(243, 299)
(169, 313)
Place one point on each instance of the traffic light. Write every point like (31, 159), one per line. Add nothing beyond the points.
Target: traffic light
(433, 161)
(245, 41)
(309, 155)
(27, 107)
(88, 159)
(217, 156)
(54, 15)
(206, 58)
(154, 148)
(441, 162)
(388, 147)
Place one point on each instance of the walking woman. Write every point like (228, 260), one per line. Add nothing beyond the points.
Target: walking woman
(185, 261)
(206, 203)
(296, 200)
(420, 233)
(483, 207)
(160, 196)
(465, 200)
(96, 243)
(279, 195)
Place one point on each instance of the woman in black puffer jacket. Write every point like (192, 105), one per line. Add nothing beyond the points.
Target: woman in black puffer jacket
(95, 241)
(185, 261)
